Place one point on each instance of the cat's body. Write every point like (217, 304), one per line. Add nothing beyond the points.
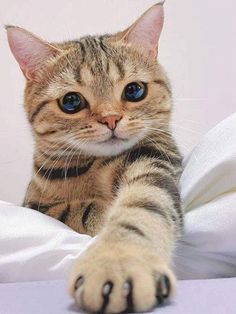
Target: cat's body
(80, 191)
(110, 166)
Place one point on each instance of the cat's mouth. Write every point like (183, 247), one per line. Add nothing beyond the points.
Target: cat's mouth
(110, 145)
(113, 139)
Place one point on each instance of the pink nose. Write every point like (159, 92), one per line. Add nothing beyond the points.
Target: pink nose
(110, 121)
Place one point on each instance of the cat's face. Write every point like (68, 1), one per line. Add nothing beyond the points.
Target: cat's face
(99, 95)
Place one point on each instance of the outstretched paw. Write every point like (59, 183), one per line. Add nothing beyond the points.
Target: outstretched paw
(120, 280)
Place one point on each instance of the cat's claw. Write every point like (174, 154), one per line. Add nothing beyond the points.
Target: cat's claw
(79, 282)
(163, 288)
(130, 304)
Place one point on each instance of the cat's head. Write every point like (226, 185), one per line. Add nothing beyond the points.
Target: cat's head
(99, 94)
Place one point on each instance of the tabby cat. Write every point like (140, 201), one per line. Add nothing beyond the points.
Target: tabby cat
(105, 161)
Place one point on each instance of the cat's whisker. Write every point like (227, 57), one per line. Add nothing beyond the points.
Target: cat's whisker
(49, 174)
(160, 148)
(69, 160)
(78, 156)
(164, 136)
(41, 167)
(59, 140)
(159, 131)
(51, 149)
(176, 126)
(75, 149)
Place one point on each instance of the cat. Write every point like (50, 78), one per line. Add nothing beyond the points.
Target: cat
(105, 161)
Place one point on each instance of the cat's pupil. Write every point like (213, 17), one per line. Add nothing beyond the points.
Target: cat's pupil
(135, 91)
(71, 103)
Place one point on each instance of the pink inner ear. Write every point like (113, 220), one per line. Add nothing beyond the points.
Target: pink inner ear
(146, 31)
(29, 51)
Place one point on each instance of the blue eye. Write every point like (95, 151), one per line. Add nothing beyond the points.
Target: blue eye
(135, 91)
(72, 103)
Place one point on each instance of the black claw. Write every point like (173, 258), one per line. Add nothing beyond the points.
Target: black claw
(168, 286)
(163, 289)
(160, 299)
(107, 289)
(130, 303)
(159, 291)
(79, 282)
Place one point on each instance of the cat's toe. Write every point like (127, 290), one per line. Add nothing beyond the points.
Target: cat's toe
(100, 293)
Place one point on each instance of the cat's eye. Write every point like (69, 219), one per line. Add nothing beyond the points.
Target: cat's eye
(72, 102)
(135, 91)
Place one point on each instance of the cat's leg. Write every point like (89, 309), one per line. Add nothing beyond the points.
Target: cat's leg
(129, 265)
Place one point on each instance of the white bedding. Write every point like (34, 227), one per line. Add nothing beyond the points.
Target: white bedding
(34, 246)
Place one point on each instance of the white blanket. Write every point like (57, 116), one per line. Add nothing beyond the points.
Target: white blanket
(34, 246)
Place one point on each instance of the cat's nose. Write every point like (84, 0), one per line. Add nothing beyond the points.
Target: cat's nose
(111, 121)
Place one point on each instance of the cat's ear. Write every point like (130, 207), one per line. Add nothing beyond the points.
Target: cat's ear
(29, 51)
(146, 31)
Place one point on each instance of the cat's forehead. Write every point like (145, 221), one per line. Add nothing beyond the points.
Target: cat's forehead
(100, 66)
(93, 58)
(96, 65)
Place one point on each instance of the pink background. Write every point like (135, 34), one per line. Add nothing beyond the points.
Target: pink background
(198, 50)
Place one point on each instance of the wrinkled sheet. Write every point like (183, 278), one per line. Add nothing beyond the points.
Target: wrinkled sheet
(34, 246)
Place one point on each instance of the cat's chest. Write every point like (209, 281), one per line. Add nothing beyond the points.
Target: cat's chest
(85, 199)
(95, 183)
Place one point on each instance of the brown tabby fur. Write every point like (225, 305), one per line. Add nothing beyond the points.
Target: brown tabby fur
(130, 198)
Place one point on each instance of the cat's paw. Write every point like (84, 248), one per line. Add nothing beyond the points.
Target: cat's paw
(117, 279)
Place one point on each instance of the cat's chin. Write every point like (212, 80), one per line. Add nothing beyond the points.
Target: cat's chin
(111, 147)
